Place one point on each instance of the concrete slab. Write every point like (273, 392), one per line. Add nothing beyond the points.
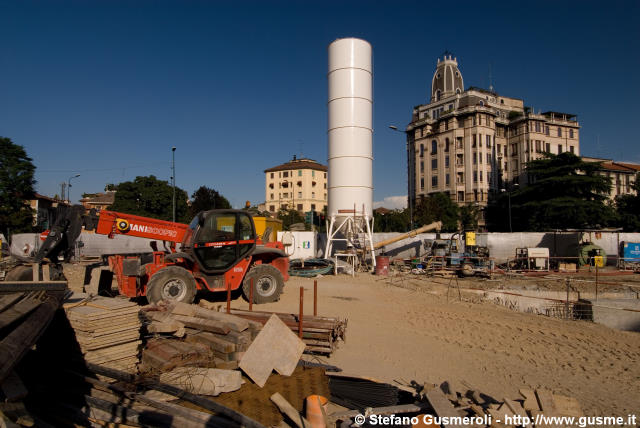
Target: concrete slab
(621, 314)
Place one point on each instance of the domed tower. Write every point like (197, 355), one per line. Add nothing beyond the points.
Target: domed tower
(447, 80)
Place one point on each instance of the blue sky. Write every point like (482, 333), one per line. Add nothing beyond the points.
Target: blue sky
(105, 88)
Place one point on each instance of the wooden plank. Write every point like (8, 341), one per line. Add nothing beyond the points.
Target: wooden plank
(545, 401)
(213, 342)
(515, 408)
(567, 406)
(25, 335)
(275, 347)
(530, 401)
(8, 300)
(287, 409)
(442, 406)
(18, 310)
(202, 324)
(13, 388)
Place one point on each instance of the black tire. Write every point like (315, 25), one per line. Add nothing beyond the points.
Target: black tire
(20, 273)
(172, 283)
(267, 284)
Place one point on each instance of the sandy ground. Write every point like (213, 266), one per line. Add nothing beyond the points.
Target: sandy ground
(410, 332)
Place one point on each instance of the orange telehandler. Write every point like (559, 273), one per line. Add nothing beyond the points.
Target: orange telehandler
(219, 251)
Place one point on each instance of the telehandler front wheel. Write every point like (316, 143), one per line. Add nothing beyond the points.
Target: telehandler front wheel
(172, 283)
(267, 284)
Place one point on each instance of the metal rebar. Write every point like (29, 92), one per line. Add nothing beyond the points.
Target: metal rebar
(251, 296)
(301, 312)
(315, 298)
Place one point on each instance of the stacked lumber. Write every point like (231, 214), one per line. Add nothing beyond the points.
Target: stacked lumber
(199, 337)
(320, 334)
(449, 400)
(107, 330)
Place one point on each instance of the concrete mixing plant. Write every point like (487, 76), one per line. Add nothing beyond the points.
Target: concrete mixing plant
(350, 135)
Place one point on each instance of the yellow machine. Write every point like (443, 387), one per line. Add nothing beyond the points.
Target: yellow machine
(262, 223)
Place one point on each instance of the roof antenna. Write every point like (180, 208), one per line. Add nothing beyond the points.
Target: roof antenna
(490, 80)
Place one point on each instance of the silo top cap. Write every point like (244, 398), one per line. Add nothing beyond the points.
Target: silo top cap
(350, 53)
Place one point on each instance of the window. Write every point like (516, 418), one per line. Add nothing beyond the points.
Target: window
(421, 167)
(446, 179)
(285, 195)
(270, 185)
(475, 158)
(325, 196)
(434, 181)
(488, 177)
(571, 133)
(272, 208)
(313, 195)
(299, 195)
(505, 150)
(571, 149)
(460, 178)
(272, 196)
(559, 148)
(434, 147)
(434, 163)
(313, 207)
(446, 145)
(313, 173)
(325, 175)
(546, 130)
(460, 196)
(480, 158)
(473, 143)
(459, 144)
(475, 194)
(299, 207)
(272, 175)
(460, 160)
(475, 176)
(481, 176)
(422, 183)
(488, 158)
(548, 148)
(499, 149)
(325, 185)
(514, 149)
(559, 132)
(421, 150)
(537, 126)
(285, 174)
(488, 139)
(446, 161)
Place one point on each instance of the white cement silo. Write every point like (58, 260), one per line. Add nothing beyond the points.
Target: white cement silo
(350, 127)
(350, 135)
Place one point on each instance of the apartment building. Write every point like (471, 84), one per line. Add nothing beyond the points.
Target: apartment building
(299, 184)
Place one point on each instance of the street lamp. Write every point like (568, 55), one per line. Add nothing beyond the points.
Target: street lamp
(410, 184)
(69, 186)
(511, 187)
(173, 179)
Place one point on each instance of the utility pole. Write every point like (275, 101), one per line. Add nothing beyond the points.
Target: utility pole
(173, 179)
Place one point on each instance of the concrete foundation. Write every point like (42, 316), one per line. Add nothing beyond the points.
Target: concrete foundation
(615, 313)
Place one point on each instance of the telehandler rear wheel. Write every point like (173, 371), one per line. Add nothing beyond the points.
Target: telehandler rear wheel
(267, 284)
(172, 283)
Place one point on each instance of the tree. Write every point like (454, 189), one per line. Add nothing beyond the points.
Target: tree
(628, 208)
(469, 214)
(392, 221)
(205, 199)
(290, 217)
(564, 192)
(437, 207)
(16, 188)
(150, 197)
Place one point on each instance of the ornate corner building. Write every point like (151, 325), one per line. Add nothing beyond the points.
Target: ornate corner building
(470, 143)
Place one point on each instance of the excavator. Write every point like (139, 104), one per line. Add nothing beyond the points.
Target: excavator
(218, 251)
